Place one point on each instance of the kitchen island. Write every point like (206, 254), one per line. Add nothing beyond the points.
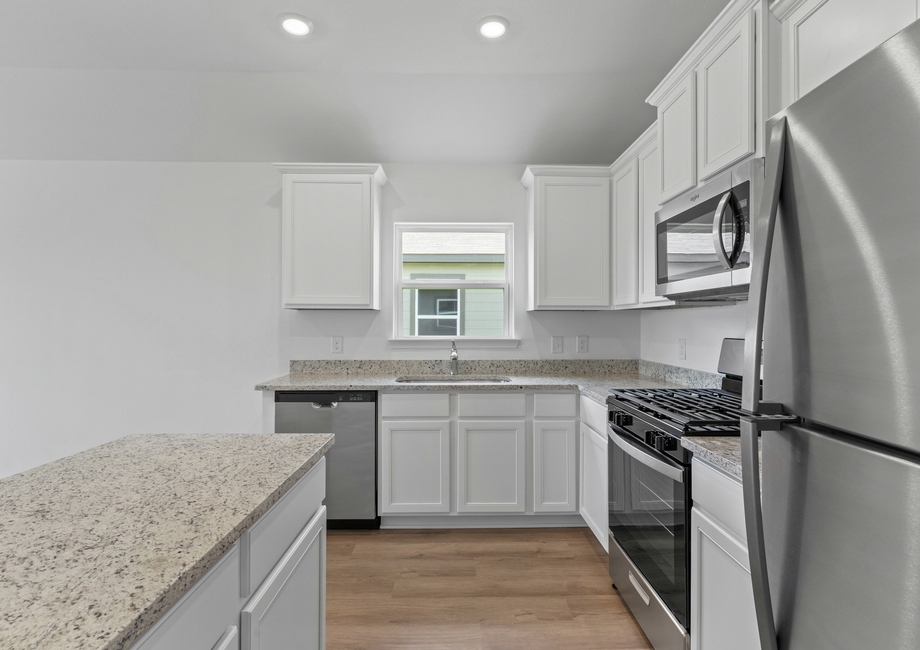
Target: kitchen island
(95, 548)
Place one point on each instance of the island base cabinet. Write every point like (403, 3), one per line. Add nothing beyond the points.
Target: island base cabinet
(288, 612)
(722, 597)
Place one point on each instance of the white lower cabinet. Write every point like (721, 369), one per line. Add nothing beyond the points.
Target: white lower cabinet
(490, 466)
(594, 482)
(554, 485)
(289, 606)
(722, 613)
(283, 613)
(415, 466)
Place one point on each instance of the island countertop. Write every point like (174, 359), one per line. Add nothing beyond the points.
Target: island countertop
(95, 547)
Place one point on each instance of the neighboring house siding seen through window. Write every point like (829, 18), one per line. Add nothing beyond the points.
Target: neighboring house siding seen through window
(453, 280)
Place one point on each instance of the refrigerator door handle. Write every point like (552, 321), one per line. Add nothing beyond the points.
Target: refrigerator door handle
(762, 228)
(753, 523)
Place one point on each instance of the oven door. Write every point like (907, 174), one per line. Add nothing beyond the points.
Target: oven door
(649, 502)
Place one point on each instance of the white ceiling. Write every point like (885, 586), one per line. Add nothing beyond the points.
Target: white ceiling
(379, 80)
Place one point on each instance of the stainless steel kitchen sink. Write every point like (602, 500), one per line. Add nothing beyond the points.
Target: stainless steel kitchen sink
(452, 379)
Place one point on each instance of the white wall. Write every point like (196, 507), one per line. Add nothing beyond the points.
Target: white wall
(143, 297)
(702, 327)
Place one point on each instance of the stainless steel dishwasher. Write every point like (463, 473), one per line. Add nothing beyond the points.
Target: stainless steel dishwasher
(351, 464)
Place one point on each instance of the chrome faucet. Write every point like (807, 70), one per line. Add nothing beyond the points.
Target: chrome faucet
(454, 359)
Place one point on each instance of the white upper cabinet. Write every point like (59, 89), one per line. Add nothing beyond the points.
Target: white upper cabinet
(710, 104)
(822, 37)
(725, 99)
(626, 232)
(330, 233)
(677, 138)
(649, 184)
(568, 237)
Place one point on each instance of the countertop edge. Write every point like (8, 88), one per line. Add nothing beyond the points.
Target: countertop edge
(724, 459)
(197, 570)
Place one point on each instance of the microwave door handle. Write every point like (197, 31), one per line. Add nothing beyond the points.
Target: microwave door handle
(717, 220)
(631, 449)
(763, 226)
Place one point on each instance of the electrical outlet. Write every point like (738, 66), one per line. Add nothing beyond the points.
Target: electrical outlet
(681, 348)
(336, 345)
(557, 345)
(581, 344)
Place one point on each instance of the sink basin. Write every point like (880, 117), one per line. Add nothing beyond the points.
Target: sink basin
(448, 379)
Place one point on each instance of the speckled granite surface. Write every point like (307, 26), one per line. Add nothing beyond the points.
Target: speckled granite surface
(722, 451)
(676, 374)
(95, 547)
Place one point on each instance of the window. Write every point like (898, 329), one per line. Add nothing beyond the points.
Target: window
(453, 280)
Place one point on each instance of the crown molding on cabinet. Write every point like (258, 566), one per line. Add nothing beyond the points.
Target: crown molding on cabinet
(713, 33)
(562, 170)
(781, 9)
(650, 134)
(374, 169)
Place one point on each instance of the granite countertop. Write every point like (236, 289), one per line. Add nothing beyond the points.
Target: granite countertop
(722, 451)
(596, 387)
(95, 547)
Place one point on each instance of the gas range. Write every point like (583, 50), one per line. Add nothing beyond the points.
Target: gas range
(660, 417)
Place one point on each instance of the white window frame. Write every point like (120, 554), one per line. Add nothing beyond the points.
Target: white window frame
(506, 340)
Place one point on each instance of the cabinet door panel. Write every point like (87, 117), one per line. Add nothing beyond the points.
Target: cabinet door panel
(726, 99)
(572, 244)
(415, 466)
(677, 138)
(289, 608)
(649, 191)
(594, 482)
(554, 488)
(230, 640)
(722, 597)
(626, 233)
(490, 467)
(822, 37)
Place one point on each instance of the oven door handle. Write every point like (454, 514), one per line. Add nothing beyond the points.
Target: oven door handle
(633, 449)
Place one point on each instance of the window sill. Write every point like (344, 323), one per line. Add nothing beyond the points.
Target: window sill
(463, 342)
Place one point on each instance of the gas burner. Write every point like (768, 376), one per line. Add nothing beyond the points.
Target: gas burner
(684, 411)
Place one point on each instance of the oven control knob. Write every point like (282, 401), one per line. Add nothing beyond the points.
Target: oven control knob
(651, 436)
(665, 442)
(622, 419)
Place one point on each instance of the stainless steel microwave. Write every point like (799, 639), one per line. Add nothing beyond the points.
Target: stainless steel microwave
(704, 246)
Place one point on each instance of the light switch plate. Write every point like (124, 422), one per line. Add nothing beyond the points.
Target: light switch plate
(557, 345)
(581, 344)
(336, 347)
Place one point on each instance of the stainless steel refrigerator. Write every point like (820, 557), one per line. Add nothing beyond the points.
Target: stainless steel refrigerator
(835, 550)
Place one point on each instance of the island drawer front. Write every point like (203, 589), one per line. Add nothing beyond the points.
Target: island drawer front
(720, 495)
(274, 532)
(203, 614)
(594, 415)
(555, 405)
(475, 405)
(415, 405)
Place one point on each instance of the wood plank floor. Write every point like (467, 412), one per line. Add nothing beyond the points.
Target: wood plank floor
(533, 589)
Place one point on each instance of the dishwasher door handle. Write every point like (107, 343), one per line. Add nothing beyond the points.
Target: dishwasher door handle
(325, 405)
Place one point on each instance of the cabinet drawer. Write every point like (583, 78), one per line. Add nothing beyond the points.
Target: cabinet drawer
(277, 528)
(720, 495)
(594, 415)
(555, 405)
(203, 614)
(491, 405)
(415, 405)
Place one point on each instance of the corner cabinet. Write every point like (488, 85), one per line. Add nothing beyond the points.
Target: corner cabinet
(330, 235)
(635, 177)
(568, 237)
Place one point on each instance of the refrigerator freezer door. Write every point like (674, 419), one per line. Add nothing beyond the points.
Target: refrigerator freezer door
(842, 532)
(842, 344)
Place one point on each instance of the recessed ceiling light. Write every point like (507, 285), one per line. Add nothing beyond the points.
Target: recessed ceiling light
(295, 24)
(493, 26)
